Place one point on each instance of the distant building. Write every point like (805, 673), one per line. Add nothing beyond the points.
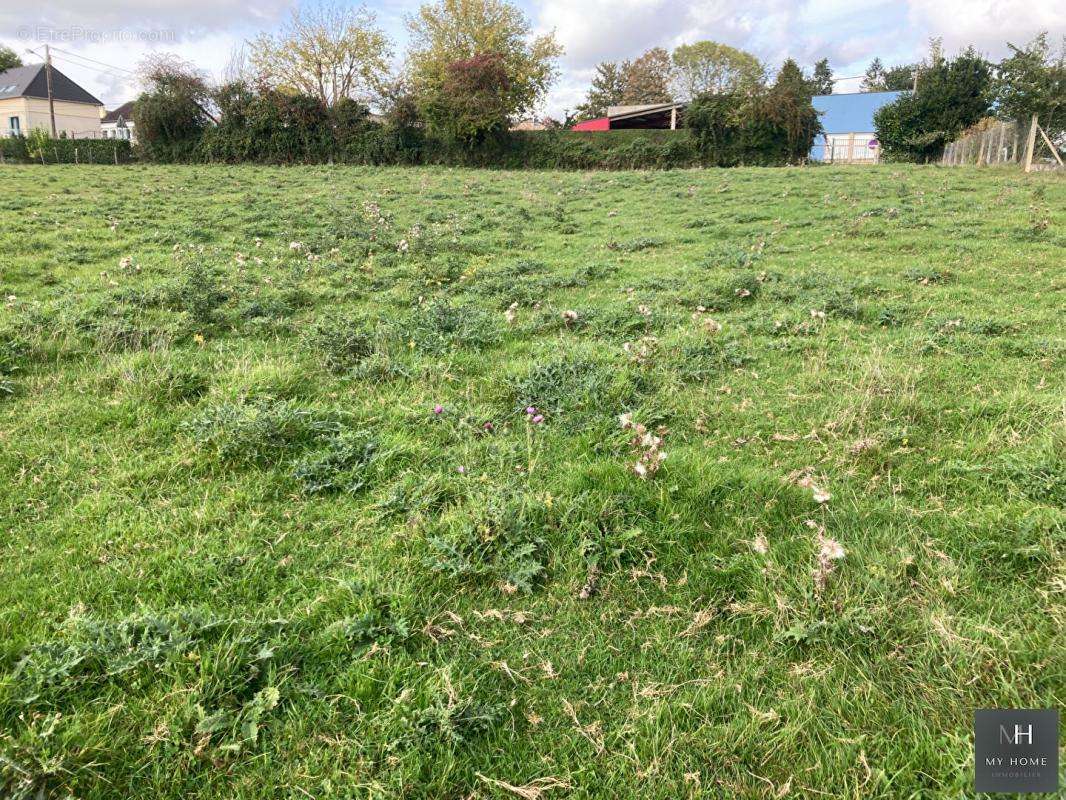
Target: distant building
(848, 120)
(118, 124)
(24, 104)
(652, 115)
(529, 125)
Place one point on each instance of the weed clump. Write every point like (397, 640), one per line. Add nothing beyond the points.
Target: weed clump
(498, 539)
(339, 467)
(340, 343)
(260, 433)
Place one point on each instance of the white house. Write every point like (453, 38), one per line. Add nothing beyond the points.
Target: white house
(118, 124)
(24, 104)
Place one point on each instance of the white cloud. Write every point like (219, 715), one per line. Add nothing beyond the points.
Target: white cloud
(100, 19)
(987, 24)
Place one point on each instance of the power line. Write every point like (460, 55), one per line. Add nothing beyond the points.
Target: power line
(70, 55)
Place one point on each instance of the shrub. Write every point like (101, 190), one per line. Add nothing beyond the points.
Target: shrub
(952, 95)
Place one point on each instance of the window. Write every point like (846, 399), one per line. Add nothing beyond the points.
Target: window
(14, 126)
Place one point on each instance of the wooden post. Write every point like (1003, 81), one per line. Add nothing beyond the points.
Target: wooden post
(75, 156)
(673, 118)
(1030, 145)
(48, 82)
(1054, 150)
(116, 155)
(980, 139)
(999, 143)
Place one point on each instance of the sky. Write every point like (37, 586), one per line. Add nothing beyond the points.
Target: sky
(98, 43)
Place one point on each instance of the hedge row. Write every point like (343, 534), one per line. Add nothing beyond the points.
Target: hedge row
(37, 150)
(380, 145)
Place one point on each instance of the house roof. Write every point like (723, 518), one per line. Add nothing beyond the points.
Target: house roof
(851, 113)
(123, 112)
(31, 81)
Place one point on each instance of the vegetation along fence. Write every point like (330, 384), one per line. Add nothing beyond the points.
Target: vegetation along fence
(44, 150)
(993, 142)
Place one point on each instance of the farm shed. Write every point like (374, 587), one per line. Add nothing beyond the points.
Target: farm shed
(654, 115)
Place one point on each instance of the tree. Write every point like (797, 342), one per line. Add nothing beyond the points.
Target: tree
(874, 80)
(328, 51)
(1032, 80)
(790, 107)
(952, 95)
(900, 78)
(8, 58)
(448, 32)
(473, 100)
(712, 68)
(173, 109)
(822, 80)
(607, 89)
(647, 78)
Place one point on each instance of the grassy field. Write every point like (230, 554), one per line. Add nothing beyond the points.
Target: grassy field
(441, 484)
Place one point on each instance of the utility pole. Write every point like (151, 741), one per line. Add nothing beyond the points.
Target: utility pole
(48, 80)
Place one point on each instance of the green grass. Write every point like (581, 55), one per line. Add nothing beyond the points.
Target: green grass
(243, 555)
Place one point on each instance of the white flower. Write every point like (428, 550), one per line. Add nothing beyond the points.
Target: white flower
(830, 549)
(570, 316)
(296, 246)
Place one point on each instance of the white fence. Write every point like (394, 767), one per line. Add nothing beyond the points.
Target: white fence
(1001, 143)
(847, 148)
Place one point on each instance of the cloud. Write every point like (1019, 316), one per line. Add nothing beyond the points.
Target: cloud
(987, 24)
(100, 19)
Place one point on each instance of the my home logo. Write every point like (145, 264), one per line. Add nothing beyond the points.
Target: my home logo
(1021, 735)
(1016, 750)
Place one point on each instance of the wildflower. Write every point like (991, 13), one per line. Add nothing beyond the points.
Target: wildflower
(815, 314)
(531, 410)
(488, 426)
(438, 409)
(820, 495)
(537, 419)
(461, 469)
(712, 326)
(402, 246)
(296, 246)
(646, 445)
(743, 293)
(511, 313)
(644, 311)
(830, 549)
(760, 545)
(125, 263)
(258, 242)
(570, 316)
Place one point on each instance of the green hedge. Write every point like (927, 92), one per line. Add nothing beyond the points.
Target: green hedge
(37, 150)
(380, 145)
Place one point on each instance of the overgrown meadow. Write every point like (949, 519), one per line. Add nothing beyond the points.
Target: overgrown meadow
(434, 483)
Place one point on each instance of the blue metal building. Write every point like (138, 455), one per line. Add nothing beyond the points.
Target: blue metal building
(848, 120)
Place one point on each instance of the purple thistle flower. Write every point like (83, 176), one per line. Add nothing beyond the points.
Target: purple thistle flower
(438, 409)
(538, 419)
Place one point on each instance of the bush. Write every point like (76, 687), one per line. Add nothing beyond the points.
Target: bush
(766, 129)
(952, 96)
(41, 149)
